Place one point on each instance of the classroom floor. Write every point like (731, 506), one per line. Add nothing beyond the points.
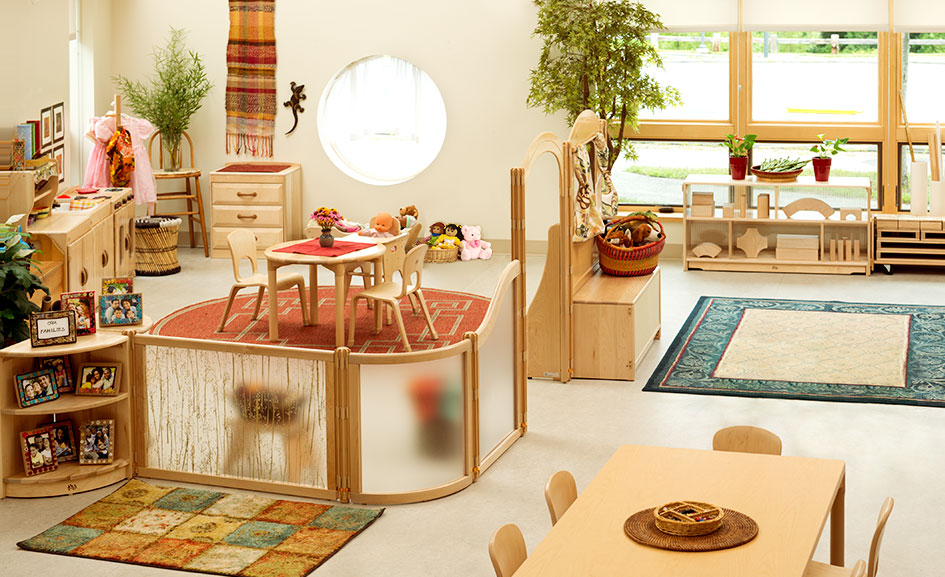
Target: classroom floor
(889, 450)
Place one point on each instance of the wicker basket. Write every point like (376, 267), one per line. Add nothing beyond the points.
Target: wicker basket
(638, 261)
(442, 255)
(156, 245)
(688, 518)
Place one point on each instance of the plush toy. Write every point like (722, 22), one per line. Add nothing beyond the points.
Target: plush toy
(348, 226)
(408, 216)
(450, 238)
(436, 231)
(473, 245)
(383, 223)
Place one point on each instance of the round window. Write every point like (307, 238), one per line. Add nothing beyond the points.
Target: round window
(381, 120)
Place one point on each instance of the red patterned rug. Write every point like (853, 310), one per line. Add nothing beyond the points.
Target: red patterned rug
(453, 313)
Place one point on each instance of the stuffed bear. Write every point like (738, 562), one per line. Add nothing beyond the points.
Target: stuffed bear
(408, 216)
(473, 245)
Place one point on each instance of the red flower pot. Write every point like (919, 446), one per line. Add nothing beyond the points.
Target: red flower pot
(738, 166)
(821, 168)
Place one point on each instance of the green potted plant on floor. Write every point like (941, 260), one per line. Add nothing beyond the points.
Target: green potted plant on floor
(174, 94)
(738, 149)
(826, 150)
(17, 283)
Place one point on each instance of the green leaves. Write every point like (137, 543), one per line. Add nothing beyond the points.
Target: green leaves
(783, 164)
(738, 146)
(17, 283)
(828, 148)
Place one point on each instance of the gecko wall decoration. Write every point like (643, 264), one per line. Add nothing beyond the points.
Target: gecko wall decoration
(295, 103)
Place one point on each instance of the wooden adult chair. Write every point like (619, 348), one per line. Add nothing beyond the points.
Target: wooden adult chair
(243, 245)
(392, 290)
(817, 569)
(190, 194)
(507, 550)
(560, 492)
(746, 440)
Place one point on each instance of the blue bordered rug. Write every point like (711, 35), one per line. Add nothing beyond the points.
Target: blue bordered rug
(815, 350)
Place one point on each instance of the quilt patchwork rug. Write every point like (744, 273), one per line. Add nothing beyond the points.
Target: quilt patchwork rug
(205, 531)
(819, 350)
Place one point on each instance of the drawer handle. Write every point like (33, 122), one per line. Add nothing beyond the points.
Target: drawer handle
(83, 277)
(127, 243)
(104, 258)
(246, 194)
(248, 216)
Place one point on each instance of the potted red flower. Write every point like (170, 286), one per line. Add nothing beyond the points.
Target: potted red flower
(826, 150)
(738, 149)
(326, 219)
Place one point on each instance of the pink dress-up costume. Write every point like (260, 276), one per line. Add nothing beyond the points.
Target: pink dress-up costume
(96, 173)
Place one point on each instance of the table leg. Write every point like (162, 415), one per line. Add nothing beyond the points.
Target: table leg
(313, 294)
(378, 307)
(339, 270)
(273, 302)
(837, 525)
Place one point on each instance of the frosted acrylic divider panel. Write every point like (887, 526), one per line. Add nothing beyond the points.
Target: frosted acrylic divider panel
(497, 379)
(411, 425)
(249, 416)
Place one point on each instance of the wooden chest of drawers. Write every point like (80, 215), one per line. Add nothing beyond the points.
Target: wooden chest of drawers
(267, 203)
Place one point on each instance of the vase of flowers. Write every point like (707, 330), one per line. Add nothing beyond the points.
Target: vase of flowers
(326, 218)
(826, 150)
(738, 149)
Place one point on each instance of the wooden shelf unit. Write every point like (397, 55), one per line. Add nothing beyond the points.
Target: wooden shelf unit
(70, 477)
(726, 230)
(909, 240)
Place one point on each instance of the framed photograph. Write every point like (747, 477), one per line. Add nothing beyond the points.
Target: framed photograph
(59, 155)
(35, 388)
(83, 303)
(63, 441)
(45, 129)
(120, 309)
(117, 286)
(62, 372)
(59, 122)
(100, 379)
(96, 442)
(52, 328)
(38, 454)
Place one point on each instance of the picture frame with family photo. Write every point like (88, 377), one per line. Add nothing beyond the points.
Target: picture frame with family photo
(83, 303)
(38, 454)
(118, 286)
(98, 379)
(120, 309)
(97, 442)
(62, 372)
(63, 438)
(35, 388)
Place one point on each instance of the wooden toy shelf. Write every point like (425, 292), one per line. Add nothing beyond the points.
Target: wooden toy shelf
(909, 240)
(724, 231)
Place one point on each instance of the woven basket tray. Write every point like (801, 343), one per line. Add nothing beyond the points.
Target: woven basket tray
(442, 255)
(688, 518)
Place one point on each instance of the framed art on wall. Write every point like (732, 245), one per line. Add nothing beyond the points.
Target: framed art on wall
(45, 129)
(52, 328)
(38, 454)
(35, 388)
(59, 122)
(97, 442)
(59, 155)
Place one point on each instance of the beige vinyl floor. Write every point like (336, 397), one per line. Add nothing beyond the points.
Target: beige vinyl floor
(889, 449)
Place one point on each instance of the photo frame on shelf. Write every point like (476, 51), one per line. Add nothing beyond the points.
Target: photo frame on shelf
(52, 328)
(62, 372)
(45, 129)
(59, 122)
(83, 303)
(97, 442)
(63, 441)
(120, 310)
(59, 155)
(38, 454)
(35, 388)
(98, 379)
(118, 286)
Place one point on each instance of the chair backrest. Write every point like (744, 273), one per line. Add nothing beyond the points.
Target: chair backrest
(884, 512)
(394, 257)
(507, 550)
(560, 492)
(747, 440)
(184, 136)
(413, 233)
(242, 245)
(859, 570)
(395, 229)
(413, 266)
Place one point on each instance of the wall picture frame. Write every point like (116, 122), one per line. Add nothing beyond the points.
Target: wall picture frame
(35, 388)
(120, 310)
(59, 122)
(59, 155)
(38, 454)
(45, 129)
(83, 303)
(52, 328)
(98, 379)
(118, 286)
(63, 438)
(97, 442)
(62, 372)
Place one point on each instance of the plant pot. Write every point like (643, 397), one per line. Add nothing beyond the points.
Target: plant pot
(326, 240)
(738, 167)
(821, 168)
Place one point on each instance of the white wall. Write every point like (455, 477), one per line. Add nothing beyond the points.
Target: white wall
(478, 53)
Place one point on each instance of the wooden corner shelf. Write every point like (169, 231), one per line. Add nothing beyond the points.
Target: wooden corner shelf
(68, 403)
(93, 342)
(68, 479)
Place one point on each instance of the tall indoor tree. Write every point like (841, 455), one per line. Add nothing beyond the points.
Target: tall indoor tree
(594, 56)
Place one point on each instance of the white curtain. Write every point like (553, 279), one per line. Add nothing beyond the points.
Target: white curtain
(696, 15)
(817, 15)
(919, 15)
(381, 98)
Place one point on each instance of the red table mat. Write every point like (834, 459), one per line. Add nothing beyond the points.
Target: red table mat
(253, 167)
(313, 248)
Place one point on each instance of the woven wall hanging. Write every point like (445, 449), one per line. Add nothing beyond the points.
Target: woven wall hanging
(251, 77)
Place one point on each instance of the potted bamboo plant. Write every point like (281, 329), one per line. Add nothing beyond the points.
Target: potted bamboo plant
(826, 150)
(738, 149)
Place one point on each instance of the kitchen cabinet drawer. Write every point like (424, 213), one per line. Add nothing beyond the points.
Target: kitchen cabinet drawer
(248, 216)
(247, 193)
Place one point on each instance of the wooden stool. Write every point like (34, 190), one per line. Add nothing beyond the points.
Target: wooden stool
(190, 193)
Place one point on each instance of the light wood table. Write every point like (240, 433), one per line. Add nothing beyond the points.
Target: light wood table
(789, 498)
(336, 264)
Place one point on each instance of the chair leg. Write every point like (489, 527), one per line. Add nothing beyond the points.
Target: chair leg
(203, 222)
(412, 298)
(397, 305)
(301, 286)
(259, 297)
(229, 304)
(351, 315)
(400, 325)
(378, 322)
(426, 313)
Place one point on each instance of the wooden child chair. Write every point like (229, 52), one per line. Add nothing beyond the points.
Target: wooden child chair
(746, 440)
(507, 550)
(817, 569)
(560, 492)
(243, 245)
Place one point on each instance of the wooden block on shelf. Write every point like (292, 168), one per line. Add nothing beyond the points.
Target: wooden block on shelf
(833, 249)
(854, 212)
(764, 205)
(934, 225)
(728, 210)
(704, 210)
(883, 223)
(703, 198)
(709, 249)
(803, 241)
(847, 249)
(752, 242)
(908, 224)
(796, 254)
(741, 205)
(856, 249)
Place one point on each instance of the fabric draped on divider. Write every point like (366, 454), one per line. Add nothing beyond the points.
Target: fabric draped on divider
(251, 77)
(134, 169)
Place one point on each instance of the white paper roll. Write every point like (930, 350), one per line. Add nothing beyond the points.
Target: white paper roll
(919, 205)
(937, 198)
